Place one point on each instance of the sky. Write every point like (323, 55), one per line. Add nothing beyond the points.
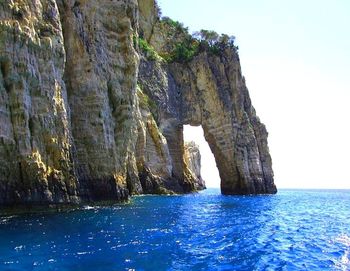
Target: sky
(295, 56)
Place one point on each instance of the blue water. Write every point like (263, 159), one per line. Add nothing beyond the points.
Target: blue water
(293, 230)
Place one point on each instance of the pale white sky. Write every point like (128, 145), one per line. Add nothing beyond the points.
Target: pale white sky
(295, 56)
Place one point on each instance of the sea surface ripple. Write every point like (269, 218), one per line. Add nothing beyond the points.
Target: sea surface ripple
(293, 230)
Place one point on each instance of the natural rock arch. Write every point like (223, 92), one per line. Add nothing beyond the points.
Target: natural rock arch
(210, 91)
(207, 90)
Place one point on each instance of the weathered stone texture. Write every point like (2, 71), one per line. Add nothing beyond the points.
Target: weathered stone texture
(100, 77)
(214, 95)
(154, 162)
(192, 158)
(75, 127)
(35, 162)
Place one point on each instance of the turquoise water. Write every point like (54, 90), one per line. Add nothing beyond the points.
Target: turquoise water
(293, 230)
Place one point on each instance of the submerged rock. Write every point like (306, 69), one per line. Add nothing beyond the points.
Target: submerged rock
(93, 103)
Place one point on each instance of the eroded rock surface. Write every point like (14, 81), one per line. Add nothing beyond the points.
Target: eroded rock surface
(100, 69)
(192, 159)
(35, 131)
(86, 115)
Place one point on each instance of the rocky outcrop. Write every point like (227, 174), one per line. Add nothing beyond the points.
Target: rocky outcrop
(207, 88)
(86, 114)
(192, 158)
(215, 96)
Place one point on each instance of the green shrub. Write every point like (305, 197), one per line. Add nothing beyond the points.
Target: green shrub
(185, 51)
(174, 24)
(214, 42)
(203, 40)
(146, 49)
(214, 49)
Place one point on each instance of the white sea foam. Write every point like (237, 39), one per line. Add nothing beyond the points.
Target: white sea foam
(344, 262)
(87, 207)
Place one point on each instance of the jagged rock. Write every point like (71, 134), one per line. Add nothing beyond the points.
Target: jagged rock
(192, 158)
(74, 127)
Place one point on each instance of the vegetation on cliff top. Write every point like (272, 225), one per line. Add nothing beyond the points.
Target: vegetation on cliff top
(204, 40)
(175, 24)
(190, 45)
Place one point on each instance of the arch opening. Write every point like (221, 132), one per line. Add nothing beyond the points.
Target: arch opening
(209, 169)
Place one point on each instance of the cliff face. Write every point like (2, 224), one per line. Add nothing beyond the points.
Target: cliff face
(100, 69)
(35, 134)
(86, 114)
(68, 100)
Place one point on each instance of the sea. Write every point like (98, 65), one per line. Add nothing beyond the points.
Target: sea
(292, 230)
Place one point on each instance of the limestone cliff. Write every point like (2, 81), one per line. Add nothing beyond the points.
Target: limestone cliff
(68, 100)
(35, 134)
(100, 68)
(92, 105)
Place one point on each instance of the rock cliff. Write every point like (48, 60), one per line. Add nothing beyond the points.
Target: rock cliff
(93, 103)
(198, 81)
(192, 158)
